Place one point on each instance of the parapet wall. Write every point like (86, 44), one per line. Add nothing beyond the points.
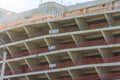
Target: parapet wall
(26, 17)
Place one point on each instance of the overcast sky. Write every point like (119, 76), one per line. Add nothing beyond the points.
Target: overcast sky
(23, 5)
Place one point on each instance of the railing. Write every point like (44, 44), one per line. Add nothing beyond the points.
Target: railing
(92, 43)
(89, 77)
(18, 38)
(38, 51)
(111, 76)
(96, 26)
(112, 59)
(26, 70)
(8, 72)
(33, 34)
(69, 29)
(18, 55)
(64, 64)
(89, 61)
(41, 68)
(66, 78)
(69, 45)
(65, 46)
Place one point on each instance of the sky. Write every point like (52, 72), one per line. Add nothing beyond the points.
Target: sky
(23, 5)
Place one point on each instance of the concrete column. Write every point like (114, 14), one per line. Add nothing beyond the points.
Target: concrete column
(27, 48)
(77, 39)
(13, 35)
(31, 46)
(101, 72)
(105, 53)
(75, 56)
(26, 30)
(48, 59)
(27, 78)
(9, 51)
(14, 66)
(9, 36)
(53, 25)
(107, 36)
(50, 43)
(30, 30)
(31, 63)
(53, 59)
(71, 74)
(31, 77)
(48, 76)
(51, 76)
(71, 56)
(13, 50)
(81, 24)
(109, 19)
(10, 67)
(76, 73)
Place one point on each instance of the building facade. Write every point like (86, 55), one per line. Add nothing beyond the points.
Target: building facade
(82, 43)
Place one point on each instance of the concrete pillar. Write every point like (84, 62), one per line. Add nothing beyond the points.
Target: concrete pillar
(9, 51)
(32, 77)
(51, 76)
(14, 66)
(51, 43)
(30, 30)
(13, 35)
(71, 57)
(76, 56)
(53, 25)
(71, 74)
(13, 50)
(76, 73)
(81, 24)
(105, 53)
(109, 19)
(31, 46)
(26, 30)
(27, 47)
(107, 36)
(27, 78)
(48, 76)
(32, 63)
(77, 39)
(10, 37)
(47, 59)
(101, 72)
(10, 67)
(53, 59)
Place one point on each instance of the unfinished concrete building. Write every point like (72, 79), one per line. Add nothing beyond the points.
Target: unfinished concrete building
(77, 42)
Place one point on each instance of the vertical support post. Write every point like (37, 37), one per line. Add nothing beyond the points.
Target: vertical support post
(3, 65)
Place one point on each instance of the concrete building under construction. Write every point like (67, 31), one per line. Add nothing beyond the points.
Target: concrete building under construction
(58, 42)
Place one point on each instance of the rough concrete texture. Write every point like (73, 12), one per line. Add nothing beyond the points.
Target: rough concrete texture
(49, 8)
